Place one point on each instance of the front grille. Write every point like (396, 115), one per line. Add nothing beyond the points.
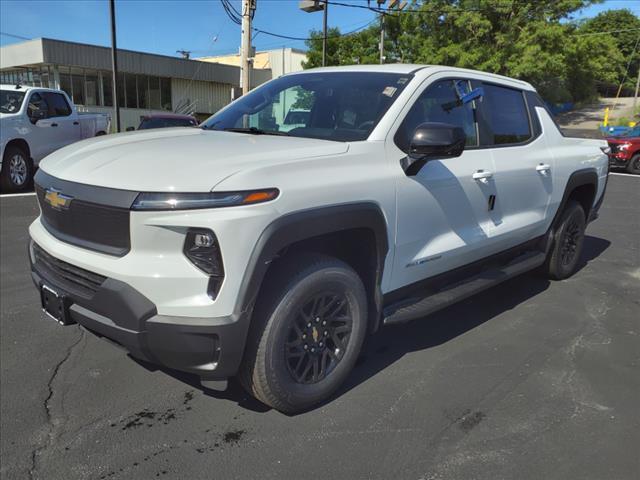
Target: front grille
(66, 275)
(103, 228)
(614, 147)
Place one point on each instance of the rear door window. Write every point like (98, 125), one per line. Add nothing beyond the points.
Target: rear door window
(503, 118)
(58, 105)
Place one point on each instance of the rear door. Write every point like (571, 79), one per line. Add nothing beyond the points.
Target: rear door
(67, 123)
(442, 212)
(522, 162)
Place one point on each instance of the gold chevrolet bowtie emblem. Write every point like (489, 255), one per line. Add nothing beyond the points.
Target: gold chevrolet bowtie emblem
(57, 199)
(315, 334)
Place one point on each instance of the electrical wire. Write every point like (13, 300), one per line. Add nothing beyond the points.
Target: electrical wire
(19, 37)
(329, 37)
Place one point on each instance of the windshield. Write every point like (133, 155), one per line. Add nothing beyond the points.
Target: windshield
(340, 106)
(10, 101)
(160, 122)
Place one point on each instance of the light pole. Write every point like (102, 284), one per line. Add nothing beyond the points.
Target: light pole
(310, 6)
(114, 64)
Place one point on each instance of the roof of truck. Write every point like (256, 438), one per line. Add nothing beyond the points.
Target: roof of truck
(25, 88)
(410, 68)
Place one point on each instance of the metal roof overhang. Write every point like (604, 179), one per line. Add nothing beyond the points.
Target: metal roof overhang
(59, 52)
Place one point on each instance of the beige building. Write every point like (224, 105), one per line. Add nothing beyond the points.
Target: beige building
(278, 61)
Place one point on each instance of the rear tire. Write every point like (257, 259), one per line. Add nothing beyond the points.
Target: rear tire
(17, 170)
(634, 164)
(307, 332)
(568, 240)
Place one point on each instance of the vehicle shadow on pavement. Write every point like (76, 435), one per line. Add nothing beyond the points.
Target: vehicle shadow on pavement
(391, 343)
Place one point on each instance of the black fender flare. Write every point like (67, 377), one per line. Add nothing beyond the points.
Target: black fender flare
(585, 176)
(306, 224)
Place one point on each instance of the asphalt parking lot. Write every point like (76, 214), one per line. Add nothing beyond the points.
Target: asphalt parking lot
(530, 380)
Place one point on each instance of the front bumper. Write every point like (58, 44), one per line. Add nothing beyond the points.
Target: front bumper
(209, 347)
(618, 160)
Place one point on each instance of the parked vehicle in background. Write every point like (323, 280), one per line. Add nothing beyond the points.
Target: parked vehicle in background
(294, 119)
(35, 122)
(166, 120)
(624, 150)
(273, 253)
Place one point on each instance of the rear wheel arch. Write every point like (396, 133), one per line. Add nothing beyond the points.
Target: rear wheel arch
(582, 187)
(355, 233)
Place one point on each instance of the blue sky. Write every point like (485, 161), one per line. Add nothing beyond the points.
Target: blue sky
(164, 26)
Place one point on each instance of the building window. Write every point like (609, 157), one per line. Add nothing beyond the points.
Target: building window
(121, 89)
(45, 78)
(154, 93)
(143, 91)
(92, 93)
(131, 91)
(65, 81)
(77, 83)
(165, 93)
(107, 89)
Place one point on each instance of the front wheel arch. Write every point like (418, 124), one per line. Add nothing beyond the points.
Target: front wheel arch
(302, 227)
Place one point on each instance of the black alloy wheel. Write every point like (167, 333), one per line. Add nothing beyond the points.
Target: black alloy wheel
(318, 337)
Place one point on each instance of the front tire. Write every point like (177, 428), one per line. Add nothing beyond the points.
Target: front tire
(17, 170)
(568, 240)
(634, 164)
(307, 333)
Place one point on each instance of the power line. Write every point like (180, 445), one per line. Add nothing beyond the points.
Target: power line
(288, 37)
(19, 37)
(609, 31)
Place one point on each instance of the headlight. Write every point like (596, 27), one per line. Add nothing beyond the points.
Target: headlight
(624, 146)
(188, 201)
(202, 249)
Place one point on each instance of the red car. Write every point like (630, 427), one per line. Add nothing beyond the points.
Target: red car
(624, 151)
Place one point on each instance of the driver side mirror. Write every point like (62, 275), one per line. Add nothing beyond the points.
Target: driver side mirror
(433, 140)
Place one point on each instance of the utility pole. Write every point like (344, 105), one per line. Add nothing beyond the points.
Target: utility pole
(396, 7)
(382, 15)
(248, 7)
(114, 64)
(635, 97)
(324, 33)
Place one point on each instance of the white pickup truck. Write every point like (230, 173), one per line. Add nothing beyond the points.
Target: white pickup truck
(273, 252)
(35, 122)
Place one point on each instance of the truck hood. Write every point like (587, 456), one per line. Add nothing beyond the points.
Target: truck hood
(177, 159)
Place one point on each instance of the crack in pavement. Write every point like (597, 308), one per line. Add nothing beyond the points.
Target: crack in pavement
(46, 442)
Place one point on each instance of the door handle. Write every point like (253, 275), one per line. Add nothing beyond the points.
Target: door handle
(76, 123)
(543, 168)
(54, 124)
(482, 175)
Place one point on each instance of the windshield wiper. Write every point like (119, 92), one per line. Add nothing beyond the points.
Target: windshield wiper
(254, 131)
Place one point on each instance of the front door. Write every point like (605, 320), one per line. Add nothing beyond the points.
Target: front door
(443, 219)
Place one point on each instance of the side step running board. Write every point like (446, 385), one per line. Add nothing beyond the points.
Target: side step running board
(459, 291)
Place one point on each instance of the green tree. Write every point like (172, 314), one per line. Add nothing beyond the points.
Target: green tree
(537, 41)
(625, 32)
